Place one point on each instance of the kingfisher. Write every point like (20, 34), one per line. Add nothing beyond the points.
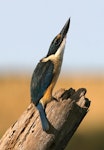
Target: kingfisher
(46, 74)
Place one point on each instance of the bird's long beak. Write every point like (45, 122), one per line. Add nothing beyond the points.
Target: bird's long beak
(64, 30)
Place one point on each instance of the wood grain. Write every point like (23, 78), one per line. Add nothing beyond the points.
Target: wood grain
(64, 117)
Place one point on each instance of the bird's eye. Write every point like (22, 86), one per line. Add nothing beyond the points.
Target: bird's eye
(57, 41)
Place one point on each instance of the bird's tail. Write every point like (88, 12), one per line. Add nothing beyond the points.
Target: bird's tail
(44, 120)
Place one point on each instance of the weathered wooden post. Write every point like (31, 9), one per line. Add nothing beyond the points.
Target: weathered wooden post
(64, 116)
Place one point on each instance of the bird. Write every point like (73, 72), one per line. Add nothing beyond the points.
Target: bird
(46, 74)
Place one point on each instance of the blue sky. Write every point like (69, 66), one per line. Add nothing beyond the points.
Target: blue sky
(28, 27)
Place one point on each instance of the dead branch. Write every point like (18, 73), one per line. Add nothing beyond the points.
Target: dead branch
(64, 116)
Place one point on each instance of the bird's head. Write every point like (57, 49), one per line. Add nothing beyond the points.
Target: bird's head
(59, 39)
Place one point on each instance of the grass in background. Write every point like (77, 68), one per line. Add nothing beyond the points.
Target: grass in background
(15, 97)
(87, 141)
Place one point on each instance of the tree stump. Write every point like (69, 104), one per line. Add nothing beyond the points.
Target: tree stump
(64, 117)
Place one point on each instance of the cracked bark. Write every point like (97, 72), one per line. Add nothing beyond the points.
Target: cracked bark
(64, 117)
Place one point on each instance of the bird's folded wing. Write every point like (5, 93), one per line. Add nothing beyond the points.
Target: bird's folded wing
(41, 79)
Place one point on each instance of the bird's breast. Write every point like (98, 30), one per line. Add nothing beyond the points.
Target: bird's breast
(48, 93)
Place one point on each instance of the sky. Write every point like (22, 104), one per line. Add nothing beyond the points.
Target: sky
(28, 27)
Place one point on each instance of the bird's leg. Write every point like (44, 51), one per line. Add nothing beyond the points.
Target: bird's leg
(54, 98)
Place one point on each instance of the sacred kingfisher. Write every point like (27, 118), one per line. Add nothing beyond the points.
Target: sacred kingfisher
(46, 74)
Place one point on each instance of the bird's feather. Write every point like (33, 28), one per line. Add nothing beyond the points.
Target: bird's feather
(41, 79)
(44, 120)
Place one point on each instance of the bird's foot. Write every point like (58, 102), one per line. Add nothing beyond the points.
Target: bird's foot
(54, 98)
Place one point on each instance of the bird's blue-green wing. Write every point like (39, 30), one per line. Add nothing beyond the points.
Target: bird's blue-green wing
(41, 79)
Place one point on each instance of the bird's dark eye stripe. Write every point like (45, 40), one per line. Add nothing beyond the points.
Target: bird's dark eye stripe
(57, 41)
